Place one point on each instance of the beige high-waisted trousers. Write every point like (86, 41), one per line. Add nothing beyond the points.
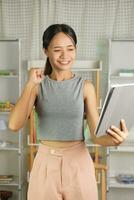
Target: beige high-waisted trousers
(63, 174)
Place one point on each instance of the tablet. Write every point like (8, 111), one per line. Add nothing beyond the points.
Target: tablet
(118, 104)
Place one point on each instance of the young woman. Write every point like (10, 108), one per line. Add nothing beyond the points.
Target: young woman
(63, 168)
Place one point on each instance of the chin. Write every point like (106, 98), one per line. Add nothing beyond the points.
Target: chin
(65, 68)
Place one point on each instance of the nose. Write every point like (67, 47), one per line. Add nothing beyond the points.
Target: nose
(64, 54)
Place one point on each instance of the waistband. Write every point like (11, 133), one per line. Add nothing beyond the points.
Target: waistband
(60, 151)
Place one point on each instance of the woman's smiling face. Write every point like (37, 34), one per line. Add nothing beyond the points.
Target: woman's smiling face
(61, 52)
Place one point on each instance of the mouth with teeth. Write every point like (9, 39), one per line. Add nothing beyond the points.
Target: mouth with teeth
(64, 62)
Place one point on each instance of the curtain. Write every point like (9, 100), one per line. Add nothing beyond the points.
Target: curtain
(20, 19)
(94, 21)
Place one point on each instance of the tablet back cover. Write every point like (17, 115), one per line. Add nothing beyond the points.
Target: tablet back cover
(119, 104)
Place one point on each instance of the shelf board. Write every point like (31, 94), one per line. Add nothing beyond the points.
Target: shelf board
(10, 147)
(88, 143)
(113, 183)
(120, 78)
(124, 148)
(4, 112)
(9, 76)
(86, 69)
(33, 144)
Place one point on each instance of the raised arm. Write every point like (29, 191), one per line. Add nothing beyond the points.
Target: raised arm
(25, 103)
(115, 136)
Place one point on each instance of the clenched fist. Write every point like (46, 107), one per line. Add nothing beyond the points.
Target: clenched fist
(36, 75)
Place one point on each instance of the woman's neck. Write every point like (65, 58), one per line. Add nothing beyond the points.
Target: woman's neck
(61, 76)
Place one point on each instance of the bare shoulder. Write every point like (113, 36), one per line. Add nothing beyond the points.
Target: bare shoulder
(89, 88)
(88, 84)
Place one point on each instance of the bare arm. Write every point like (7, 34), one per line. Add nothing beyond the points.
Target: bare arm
(25, 103)
(115, 135)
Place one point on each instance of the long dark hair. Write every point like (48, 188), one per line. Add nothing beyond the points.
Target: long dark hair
(49, 33)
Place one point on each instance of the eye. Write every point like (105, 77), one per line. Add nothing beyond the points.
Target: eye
(71, 49)
(56, 50)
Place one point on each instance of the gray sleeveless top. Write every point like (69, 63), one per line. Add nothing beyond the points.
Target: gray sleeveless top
(60, 108)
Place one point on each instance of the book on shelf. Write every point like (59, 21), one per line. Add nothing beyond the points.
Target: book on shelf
(125, 178)
(6, 106)
(6, 178)
(6, 72)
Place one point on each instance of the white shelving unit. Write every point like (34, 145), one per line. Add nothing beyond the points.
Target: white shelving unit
(12, 149)
(120, 159)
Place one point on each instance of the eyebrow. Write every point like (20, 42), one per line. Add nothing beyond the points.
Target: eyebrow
(63, 46)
